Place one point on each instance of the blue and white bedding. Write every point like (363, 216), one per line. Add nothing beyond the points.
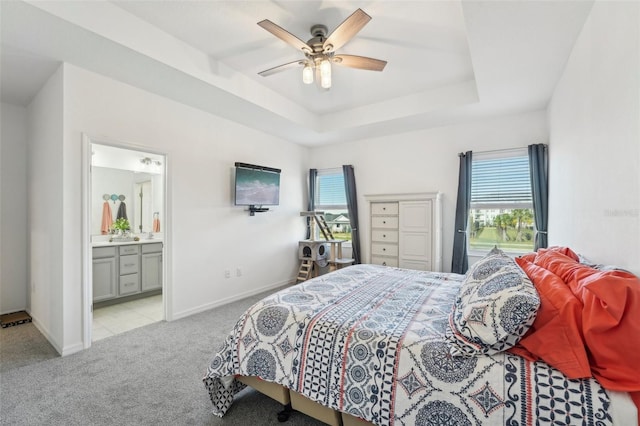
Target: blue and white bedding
(371, 341)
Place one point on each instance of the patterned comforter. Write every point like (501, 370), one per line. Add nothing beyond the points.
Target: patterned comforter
(370, 341)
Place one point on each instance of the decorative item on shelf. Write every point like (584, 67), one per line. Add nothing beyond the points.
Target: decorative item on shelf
(122, 230)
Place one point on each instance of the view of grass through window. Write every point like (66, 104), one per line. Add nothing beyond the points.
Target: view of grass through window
(330, 198)
(511, 230)
(339, 224)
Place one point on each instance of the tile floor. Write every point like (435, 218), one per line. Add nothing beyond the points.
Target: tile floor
(116, 319)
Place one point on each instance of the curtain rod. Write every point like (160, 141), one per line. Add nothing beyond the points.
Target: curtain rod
(493, 151)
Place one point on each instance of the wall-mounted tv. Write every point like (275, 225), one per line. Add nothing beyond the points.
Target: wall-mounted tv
(257, 185)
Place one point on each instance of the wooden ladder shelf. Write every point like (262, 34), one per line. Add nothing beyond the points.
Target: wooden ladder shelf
(324, 227)
(306, 270)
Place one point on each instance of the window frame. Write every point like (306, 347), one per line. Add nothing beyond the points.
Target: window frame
(506, 205)
(328, 207)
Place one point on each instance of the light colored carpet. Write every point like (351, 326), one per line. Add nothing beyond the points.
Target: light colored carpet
(22, 345)
(148, 376)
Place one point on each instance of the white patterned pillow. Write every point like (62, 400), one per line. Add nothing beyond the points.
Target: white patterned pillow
(496, 305)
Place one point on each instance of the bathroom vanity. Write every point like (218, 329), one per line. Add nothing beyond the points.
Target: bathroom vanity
(123, 269)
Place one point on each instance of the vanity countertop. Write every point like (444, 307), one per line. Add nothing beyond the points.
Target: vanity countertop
(106, 243)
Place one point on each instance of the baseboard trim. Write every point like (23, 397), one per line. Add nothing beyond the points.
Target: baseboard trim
(222, 302)
(72, 349)
(43, 330)
(62, 351)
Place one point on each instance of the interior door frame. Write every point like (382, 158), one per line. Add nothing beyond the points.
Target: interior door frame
(87, 256)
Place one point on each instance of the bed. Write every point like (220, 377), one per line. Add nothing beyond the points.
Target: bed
(377, 345)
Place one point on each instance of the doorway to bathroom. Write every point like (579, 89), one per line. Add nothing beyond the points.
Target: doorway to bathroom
(126, 204)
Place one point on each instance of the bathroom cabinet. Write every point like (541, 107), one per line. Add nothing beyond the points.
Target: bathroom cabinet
(126, 270)
(104, 273)
(151, 262)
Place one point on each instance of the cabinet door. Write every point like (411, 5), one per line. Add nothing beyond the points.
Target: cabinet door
(415, 238)
(104, 279)
(151, 271)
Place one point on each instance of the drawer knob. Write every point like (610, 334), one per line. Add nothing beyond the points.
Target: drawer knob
(384, 221)
(384, 249)
(384, 208)
(384, 263)
(384, 235)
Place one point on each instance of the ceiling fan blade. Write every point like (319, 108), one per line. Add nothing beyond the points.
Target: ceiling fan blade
(345, 31)
(285, 36)
(359, 62)
(280, 68)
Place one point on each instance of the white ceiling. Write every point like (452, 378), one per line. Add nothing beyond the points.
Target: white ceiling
(448, 61)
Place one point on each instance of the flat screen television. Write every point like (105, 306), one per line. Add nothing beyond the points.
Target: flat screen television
(257, 185)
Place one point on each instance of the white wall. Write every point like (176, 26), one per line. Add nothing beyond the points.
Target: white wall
(594, 120)
(426, 161)
(13, 208)
(207, 234)
(45, 210)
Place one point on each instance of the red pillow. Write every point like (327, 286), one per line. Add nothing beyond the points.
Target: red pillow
(560, 264)
(529, 257)
(556, 335)
(610, 318)
(562, 250)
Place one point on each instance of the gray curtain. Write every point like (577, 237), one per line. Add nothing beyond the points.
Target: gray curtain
(352, 205)
(539, 170)
(460, 260)
(311, 205)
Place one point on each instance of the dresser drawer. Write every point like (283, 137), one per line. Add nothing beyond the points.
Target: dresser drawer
(389, 222)
(129, 284)
(384, 208)
(382, 249)
(132, 249)
(384, 261)
(151, 248)
(101, 252)
(129, 264)
(384, 236)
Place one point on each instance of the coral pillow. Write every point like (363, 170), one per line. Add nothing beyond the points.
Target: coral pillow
(556, 334)
(610, 318)
(562, 250)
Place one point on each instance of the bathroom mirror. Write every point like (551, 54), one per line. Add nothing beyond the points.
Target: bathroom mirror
(130, 183)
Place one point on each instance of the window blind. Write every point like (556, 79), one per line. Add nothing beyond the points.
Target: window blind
(330, 189)
(501, 182)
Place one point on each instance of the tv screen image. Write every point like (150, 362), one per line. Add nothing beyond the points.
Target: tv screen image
(257, 187)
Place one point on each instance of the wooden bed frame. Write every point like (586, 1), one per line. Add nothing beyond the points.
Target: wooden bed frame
(295, 401)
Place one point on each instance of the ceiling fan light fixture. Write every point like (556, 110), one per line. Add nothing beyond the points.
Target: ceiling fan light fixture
(320, 50)
(307, 74)
(325, 74)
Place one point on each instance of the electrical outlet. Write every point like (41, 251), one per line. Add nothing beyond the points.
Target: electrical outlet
(227, 273)
(238, 272)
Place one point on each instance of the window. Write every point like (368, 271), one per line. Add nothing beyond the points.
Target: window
(501, 204)
(330, 198)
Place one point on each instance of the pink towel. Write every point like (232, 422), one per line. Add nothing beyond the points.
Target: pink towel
(107, 218)
(156, 225)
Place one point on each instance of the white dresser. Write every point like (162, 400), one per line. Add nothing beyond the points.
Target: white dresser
(406, 230)
(384, 233)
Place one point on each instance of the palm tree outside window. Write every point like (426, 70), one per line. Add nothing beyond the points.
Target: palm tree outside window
(501, 211)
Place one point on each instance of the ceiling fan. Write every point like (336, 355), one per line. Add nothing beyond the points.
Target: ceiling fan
(320, 50)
